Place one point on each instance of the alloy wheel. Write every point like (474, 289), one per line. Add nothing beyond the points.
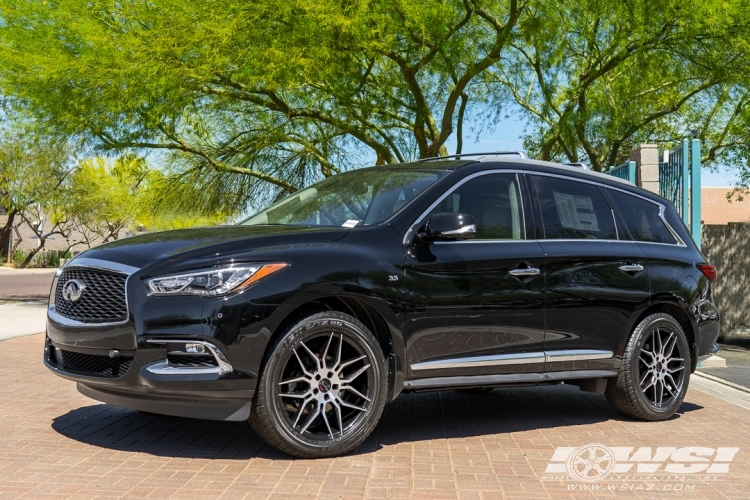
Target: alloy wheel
(326, 386)
(661, 367)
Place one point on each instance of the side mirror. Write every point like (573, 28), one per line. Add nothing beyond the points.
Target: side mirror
(449, 226)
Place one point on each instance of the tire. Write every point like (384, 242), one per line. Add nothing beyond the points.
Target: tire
(655, 371)
(323, 387)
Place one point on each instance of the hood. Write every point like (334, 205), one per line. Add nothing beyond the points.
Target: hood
(219, 240)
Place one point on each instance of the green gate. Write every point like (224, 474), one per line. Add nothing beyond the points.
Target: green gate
(680, 183)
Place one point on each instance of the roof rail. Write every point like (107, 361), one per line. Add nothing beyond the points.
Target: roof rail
(492, 153)
(578, 164)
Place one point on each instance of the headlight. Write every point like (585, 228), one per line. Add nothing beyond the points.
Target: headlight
(212, 282)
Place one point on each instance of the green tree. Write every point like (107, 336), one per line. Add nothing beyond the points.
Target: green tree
(31, 171)
(597, 78)
(280, 92)
(105, 198)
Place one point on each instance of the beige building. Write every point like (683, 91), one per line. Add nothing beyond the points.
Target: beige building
(716, 208)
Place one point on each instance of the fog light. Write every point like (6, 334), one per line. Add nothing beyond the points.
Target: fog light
(195, 348)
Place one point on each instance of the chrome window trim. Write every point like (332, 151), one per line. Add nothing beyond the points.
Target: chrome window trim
(662, 209)
(412, 229)
(87, 263)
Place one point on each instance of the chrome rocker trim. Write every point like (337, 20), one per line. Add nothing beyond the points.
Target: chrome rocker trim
(514, 359)
(164, 368)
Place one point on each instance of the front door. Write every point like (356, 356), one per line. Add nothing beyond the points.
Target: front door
(477, 306)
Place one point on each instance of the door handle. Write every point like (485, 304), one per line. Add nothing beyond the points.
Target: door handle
(631, 268)
(524, 272)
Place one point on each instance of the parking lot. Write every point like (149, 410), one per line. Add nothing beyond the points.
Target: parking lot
(56, 443)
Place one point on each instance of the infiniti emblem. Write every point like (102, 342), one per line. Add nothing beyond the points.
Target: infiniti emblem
(73, 290)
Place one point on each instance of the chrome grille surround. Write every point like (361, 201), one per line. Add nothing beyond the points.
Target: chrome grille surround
(106, 278)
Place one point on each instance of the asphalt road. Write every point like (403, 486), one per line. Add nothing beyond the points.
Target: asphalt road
(736, 350)
(25, 285)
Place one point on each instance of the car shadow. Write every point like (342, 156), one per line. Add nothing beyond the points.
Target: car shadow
(411, 417)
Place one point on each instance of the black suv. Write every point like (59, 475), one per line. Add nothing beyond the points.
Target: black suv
(311, 315)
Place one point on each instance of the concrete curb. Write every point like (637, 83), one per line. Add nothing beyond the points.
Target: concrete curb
(718, 388)
(722, 381)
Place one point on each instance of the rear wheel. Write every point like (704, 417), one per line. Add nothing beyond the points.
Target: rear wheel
(323, 388)
(654, 373)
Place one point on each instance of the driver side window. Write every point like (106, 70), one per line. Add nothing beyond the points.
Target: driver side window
(494, 200)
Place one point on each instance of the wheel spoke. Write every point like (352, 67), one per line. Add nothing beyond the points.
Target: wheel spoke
(651, 383)
(660, 342)
(354, 391)
(296, 379)
(300, 411)
(325, 352)
(674, 382)
(676, 369)
(313, 416)
(349, 405)
(351, 361)
(301, 364)
(312, 355)
(299, 395)
(658, 393)
(669, 346)
(337, 408)
(338, 353)
(325, 419)
(649, 364)
(356, 374)
(666, 386)
(643, 379)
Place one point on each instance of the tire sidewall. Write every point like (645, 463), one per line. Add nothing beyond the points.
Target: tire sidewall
(641, 335)
(354, 332)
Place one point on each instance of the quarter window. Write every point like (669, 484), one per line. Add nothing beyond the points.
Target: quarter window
(494, 200)
(642, 219)
(574, 210)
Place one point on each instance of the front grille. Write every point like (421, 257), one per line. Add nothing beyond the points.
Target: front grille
(103, 298)
(191, 361)
(93, 365)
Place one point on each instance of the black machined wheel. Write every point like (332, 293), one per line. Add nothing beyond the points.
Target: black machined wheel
(323, 387)
(654, 374)
(661, 367)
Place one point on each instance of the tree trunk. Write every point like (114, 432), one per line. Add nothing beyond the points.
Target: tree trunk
(5, 233)
(16, 243)
(33, 252)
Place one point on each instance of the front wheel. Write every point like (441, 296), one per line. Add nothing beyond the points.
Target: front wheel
(323, 387)
(654, 373)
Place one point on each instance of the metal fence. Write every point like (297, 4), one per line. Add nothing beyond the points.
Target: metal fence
(624, 171)
(680, 183)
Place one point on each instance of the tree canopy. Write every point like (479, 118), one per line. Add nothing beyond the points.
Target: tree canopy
(246, 101)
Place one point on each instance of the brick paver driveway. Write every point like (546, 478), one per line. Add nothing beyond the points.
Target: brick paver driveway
(56, 443)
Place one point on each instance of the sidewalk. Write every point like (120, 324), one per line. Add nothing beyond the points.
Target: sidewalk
(22, 318)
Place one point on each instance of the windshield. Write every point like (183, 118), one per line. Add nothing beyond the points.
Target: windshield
(358, 198)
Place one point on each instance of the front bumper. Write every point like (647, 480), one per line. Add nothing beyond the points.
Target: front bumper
(138, 380)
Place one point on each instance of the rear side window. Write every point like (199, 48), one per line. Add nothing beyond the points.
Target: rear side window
(642, 219)
(574, 210)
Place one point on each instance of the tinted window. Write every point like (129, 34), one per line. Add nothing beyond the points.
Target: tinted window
(494, 201)
(641, 218)
(358, 198)
(573, 210)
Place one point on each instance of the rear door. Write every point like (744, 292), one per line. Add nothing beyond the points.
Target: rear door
(477, 306)
(596, 282)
